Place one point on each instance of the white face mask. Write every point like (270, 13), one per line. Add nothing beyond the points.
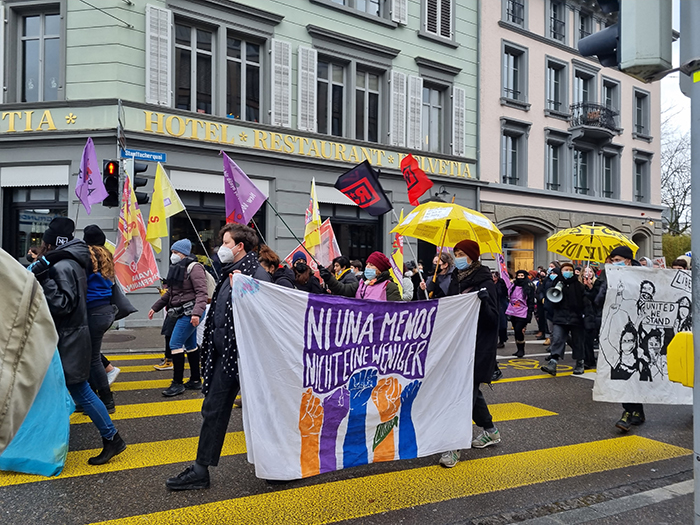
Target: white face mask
(175, 258)
(225, 255)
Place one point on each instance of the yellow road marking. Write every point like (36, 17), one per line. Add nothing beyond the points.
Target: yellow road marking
(135, 456)
(139, 410)
(358, 497)
(121, 386)
(133, 357)
(513, 411)
(143, 368)
(542, 376)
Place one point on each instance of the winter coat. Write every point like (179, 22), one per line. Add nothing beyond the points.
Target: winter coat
(502, 303)
(592, 314)
(360, 290)
(521, 300)
(347, 277)
(283, 276)
(440, 287)
(310, 286)
(487, 324)
(65, 289)
(549, 305)
(192, 288)
(569, 311)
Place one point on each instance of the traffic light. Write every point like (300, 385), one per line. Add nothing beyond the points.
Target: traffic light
(639, 44)
(110, 178)
(139, 182)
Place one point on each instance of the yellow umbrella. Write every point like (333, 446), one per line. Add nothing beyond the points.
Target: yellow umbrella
(588, 243)
(428, 222)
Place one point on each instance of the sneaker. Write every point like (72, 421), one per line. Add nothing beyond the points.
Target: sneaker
(624, 423)
(497, 374)
(193, 385)
(112, 374)
(637, 418)
(550, 367)
(165, 364)
(547, 342)
(579, 368)
(450, 458)
(175, 389)
(486, 439)
(188, 480)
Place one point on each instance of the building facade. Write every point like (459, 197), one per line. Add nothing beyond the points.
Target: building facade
(562, 140)
(290, 90)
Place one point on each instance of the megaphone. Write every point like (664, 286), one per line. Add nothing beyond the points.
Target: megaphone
(554, 294)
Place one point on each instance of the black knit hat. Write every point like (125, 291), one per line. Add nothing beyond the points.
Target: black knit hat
(94, 236)
(60, 231)
(623, 251)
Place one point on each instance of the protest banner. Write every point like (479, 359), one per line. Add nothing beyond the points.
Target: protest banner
(644, 309)
(324, 252)
(338, 382)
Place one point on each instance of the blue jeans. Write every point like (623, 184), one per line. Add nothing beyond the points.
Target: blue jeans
(184, 335)
(95, 409)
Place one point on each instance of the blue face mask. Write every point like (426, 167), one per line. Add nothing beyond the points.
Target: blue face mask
(552, 276)
(567, 275)
(619, 263)
(370, 273)
(461, 263)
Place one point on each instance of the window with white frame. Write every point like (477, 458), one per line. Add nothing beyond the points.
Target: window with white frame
(372, 7)
(242, 79)
(40, 56)
(515, 12)
(583, 87)
(513, 73)
(432, 124)
(641, 114)
(556, 86)
(641, 180)
(193, 68)
(554, 158)
(581, 178)
(438, 17)
(330, 108)
(557, 20)
(367, 106)
(610, 178)
(514, 135)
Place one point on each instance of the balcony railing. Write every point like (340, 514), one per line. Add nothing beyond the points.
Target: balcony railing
(595, 115)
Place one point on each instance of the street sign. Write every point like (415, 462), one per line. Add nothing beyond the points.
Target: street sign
(148, 156)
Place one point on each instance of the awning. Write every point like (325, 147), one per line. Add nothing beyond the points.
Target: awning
(208, 183)
(25, 176)
(329, 195)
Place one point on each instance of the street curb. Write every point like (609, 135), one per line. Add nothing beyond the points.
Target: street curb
(617, 506)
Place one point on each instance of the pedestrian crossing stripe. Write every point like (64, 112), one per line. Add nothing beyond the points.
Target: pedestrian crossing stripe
(138, 455)
(135, 357)
(499, 412)
(123, 386)
(126, 369)
(374, 494)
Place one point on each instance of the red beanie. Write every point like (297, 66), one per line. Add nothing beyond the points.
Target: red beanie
(379, 260)
(470, 248)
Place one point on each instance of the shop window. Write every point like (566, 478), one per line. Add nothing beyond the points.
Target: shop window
(519, 250)
(193, 68)
(243, 79)
(357, 232)
(40, 56)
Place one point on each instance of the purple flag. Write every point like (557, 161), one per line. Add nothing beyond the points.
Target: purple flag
(90, 189)
(243, 198)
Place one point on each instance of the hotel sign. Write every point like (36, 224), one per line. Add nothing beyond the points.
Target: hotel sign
(229, 135)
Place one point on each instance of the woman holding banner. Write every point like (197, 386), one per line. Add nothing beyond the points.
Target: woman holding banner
(468, 276)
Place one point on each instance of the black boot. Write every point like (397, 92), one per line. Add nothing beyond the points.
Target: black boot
(108, 399)
(521, 349)
(111, 447)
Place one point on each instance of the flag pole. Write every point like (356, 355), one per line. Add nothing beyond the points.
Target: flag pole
(442, 245)
(206, 253)
(258, 230)
(77, 213)
(290, 231)
(420, 272)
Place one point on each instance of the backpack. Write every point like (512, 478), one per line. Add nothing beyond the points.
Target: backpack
(211, 282)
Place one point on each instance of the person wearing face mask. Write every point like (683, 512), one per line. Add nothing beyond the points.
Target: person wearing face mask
(440, 288)
(304, 279)
(271, 263)
(552, 273)
(186, 300)
(32, 253)
(521, 303)
(468, 276)
(568, 320)
(592, 315)
(376, 283)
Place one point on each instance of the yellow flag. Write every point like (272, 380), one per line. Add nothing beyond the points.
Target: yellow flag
(397, 258)
(165, 203)
(312, 234)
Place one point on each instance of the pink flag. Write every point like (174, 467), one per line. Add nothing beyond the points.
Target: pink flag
(90, 189)
(243, 198)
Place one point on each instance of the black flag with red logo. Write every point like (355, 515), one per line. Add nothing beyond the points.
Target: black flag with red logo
(361, 185)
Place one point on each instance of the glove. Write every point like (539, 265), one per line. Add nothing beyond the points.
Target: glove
(324, 272)
(483, 294)
(40, 268)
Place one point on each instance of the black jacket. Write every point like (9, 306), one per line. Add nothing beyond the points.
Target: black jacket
(350, 290)
(487, 325)
(65, 288)
(283, 276)
(348, 278)
(310, 286)
(440, 287)
(592, 314)
(569, 310)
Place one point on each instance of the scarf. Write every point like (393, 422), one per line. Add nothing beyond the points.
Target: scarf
(176, 272)
(468, 271)
(248, 265)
